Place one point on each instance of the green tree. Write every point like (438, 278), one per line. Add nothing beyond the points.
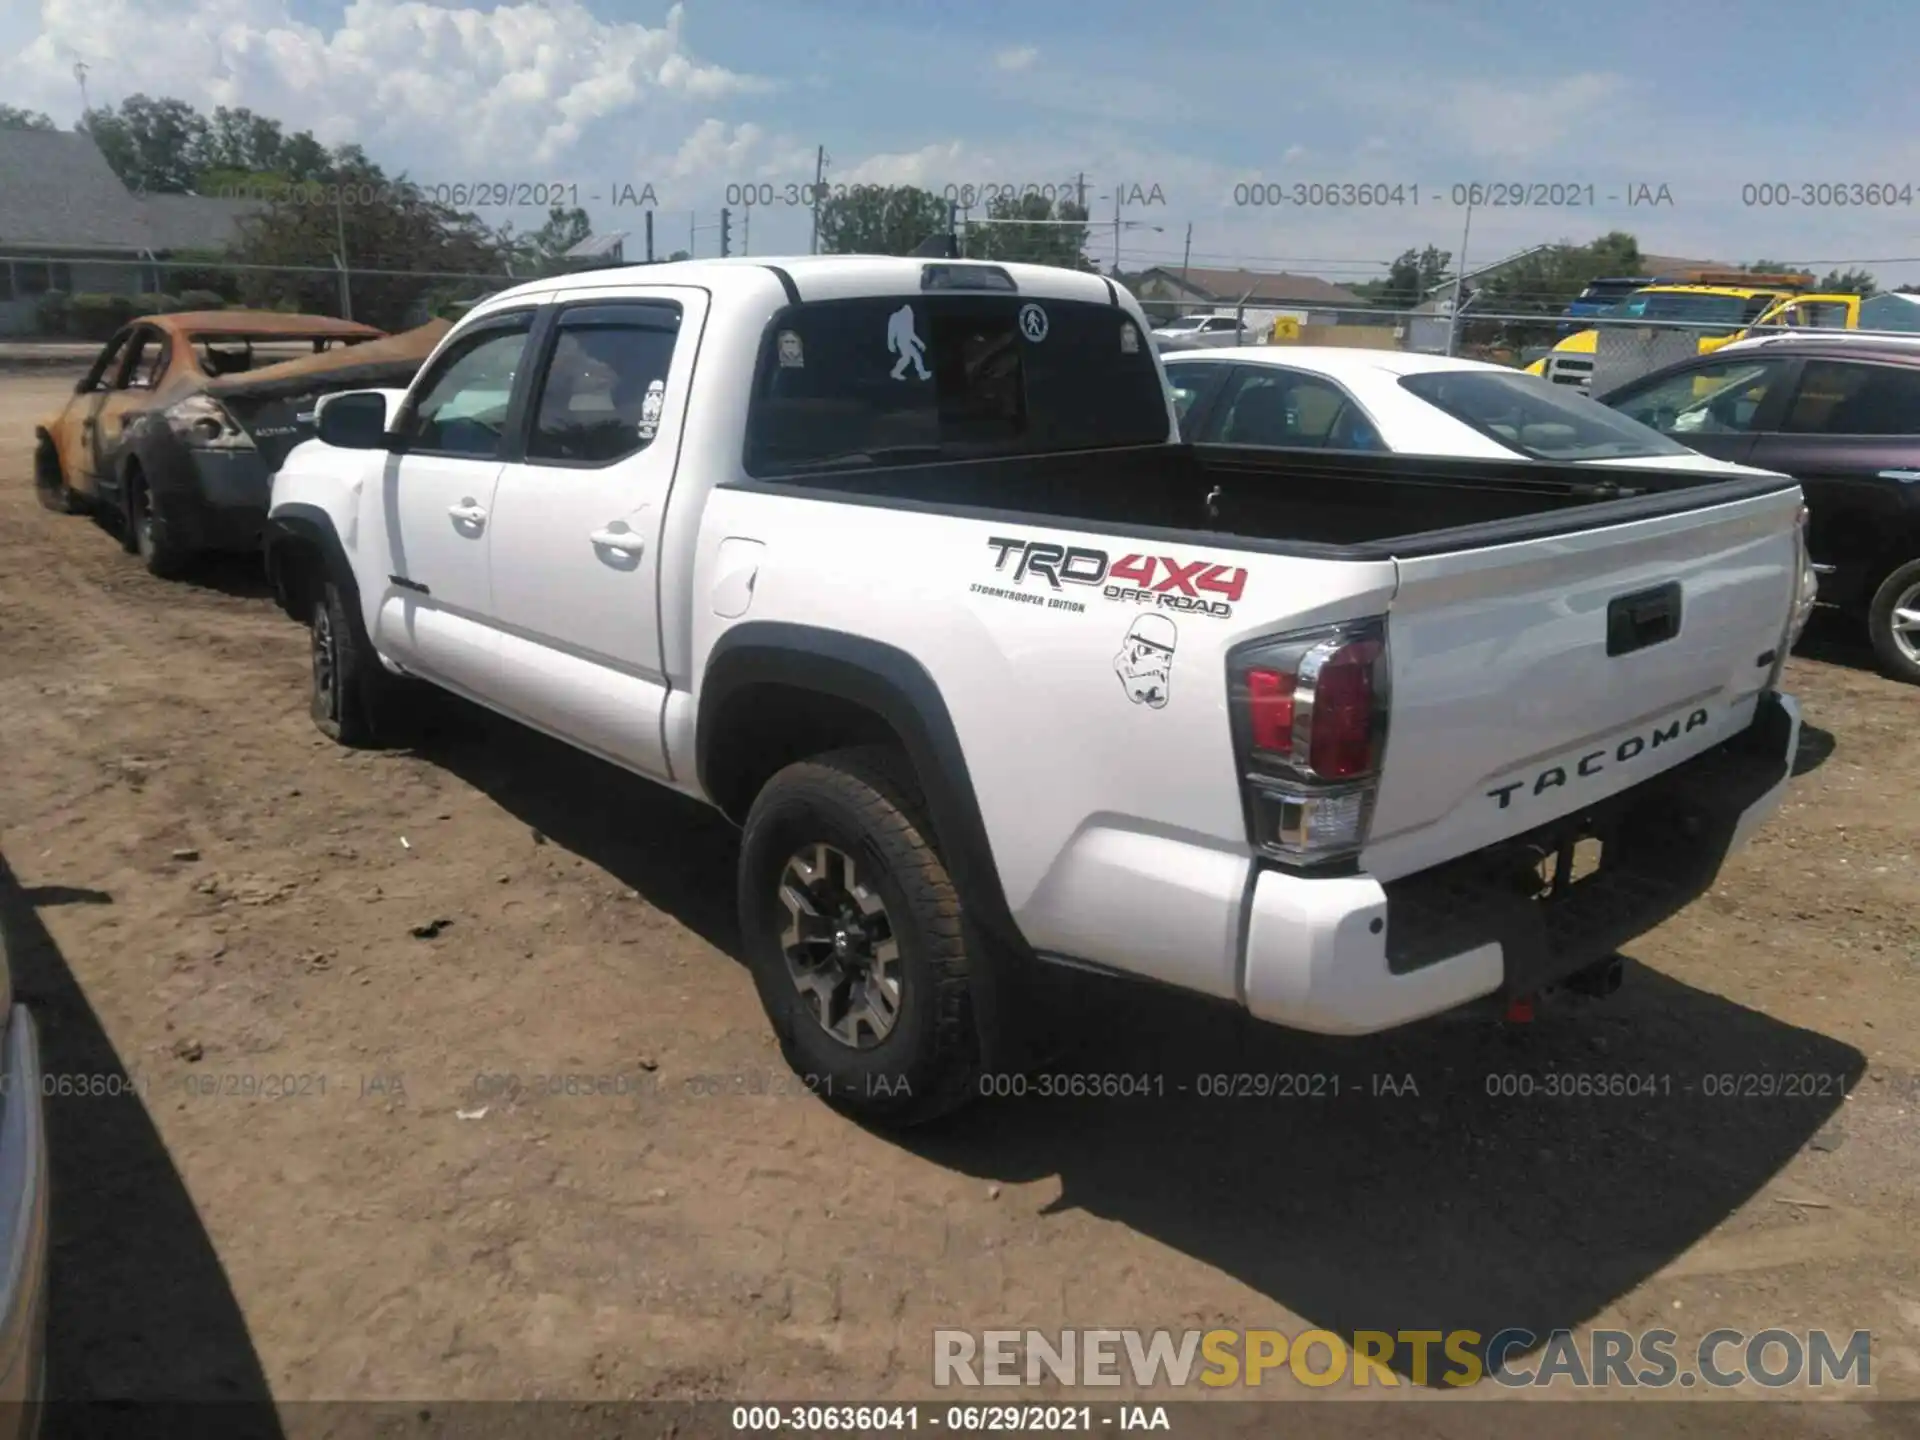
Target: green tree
(679, 255)
(152, 145)
(880, 220)
(387, 225)
(14, 118)
(1411, 277)
(1028, 229)
(1849, 282)
(1543, 284)
(541, 250)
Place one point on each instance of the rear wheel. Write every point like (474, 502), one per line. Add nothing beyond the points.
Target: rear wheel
(1893, 620)
(854, 934)
(50, 480)
(161, 556)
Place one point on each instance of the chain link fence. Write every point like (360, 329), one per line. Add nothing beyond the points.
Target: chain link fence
(61, 298)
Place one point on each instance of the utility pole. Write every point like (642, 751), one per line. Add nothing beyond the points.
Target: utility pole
(80, 73)
(1186, 254)
(819, 184)
(746, 231)
(693, 234)
(1459, 278)
(340, 234)
(1116, 231)
(649, 237)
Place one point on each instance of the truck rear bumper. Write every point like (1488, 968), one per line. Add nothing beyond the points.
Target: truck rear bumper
(1348, 955)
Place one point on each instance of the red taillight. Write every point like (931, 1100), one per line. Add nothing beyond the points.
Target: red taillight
(1311, 804)
(1342, 742)
(1270, 710)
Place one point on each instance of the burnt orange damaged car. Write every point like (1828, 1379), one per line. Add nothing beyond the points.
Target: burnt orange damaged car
(173, 435)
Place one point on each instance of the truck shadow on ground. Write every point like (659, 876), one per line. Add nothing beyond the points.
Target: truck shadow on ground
(140, 1309)
(1459, 1175)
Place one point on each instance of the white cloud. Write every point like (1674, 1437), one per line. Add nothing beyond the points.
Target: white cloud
(720, 154)
(1511, 121)
(951, 162)
(1019, 57)
(449, 87)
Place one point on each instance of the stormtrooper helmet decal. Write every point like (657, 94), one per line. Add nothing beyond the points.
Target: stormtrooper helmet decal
(1145, 661)
(653, 402)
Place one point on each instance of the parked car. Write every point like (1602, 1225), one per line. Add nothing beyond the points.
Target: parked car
(25, 1217)
(173, 434)
(1204, 332)
(1841, 414)
(912, 578)
(1327, 397)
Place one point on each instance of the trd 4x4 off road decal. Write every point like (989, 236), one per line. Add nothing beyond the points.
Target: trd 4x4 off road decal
(1198, 587)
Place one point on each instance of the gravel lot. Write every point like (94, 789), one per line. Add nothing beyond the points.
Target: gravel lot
(203, 897)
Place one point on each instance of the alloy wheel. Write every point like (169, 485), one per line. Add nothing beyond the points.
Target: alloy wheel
(840, 947)
(325, 660)
(1905, 622)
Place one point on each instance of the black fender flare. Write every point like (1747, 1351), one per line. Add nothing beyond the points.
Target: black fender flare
(891, 684)
(308, 525)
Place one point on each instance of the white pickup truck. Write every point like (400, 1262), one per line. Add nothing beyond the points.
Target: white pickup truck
(903, 567)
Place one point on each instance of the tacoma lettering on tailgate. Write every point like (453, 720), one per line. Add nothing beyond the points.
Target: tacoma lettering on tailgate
(1595, 761)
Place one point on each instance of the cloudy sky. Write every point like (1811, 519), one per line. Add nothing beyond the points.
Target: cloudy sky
(1198, 102)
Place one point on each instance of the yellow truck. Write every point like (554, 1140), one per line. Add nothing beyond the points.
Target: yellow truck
(1736, 299)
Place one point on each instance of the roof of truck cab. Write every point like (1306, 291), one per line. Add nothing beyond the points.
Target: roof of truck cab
(816, 277)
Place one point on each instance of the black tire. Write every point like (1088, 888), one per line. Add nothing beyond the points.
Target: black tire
(1900, 591)
(144, 536)
(50, 481)
(350, 692)
(865, 804)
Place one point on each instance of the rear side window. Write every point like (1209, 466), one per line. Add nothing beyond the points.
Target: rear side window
(604, 388)
(1837, 398)
(904, 379)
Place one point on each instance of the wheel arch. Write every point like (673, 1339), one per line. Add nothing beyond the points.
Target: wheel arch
(774, 693)
(301, 547)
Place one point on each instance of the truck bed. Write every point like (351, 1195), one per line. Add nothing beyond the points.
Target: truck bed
(1307, 502)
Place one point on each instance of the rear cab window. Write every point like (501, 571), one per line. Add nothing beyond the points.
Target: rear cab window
(907, 379)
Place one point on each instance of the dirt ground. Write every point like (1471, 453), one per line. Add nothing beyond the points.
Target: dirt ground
(313, 1193)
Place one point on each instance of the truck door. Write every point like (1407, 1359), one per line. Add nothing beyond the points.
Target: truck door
(577, 521)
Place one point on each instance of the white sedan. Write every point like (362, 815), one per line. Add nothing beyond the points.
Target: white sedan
(1324, 397)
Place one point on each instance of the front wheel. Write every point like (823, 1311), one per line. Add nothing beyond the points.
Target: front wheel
(1893, 621)
(50, 480)
(350, 700)
(854, 934)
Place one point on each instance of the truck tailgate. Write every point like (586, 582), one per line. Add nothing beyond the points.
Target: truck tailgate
(1516, 699)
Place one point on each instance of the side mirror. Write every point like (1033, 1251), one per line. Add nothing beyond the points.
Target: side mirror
(353, 420)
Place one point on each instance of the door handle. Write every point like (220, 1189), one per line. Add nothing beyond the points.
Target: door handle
(627, 542)
(467, 513)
